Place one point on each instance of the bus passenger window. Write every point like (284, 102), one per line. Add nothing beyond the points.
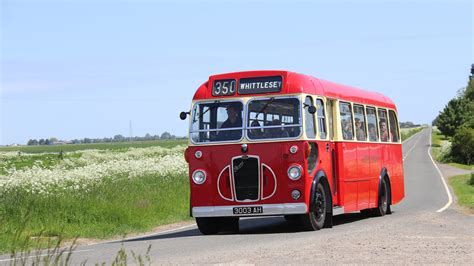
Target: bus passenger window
(321, 119)
(346, 121)
(359, 115)
(393, 125)
(383, 125)
(309, 119)
(329, 107)
(372, 124)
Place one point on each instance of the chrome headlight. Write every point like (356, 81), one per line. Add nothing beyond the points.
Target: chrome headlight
(199, 177)
(294, 172)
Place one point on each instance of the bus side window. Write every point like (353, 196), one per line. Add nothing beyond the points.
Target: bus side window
(329, 107)
(384, 136)
(346, 121)
(321, 118)
(309, 119)
(359, 115)
(393, 125)
(372, 124)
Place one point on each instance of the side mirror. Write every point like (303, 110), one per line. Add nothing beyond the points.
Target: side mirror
(311, 109)
(183, 115)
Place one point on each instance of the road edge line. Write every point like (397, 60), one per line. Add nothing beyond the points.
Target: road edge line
(450, 198)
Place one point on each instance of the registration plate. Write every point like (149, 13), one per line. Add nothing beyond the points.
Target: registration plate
(248, 210)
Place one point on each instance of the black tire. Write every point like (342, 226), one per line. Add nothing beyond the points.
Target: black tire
(314, 220)
(383, 200)
(207, 225)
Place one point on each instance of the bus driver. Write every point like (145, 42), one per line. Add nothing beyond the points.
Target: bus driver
(234, 120)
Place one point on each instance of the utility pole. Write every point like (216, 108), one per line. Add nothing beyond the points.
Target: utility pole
(130, 131)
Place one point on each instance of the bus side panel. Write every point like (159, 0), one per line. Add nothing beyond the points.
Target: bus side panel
(396, 177)
(347, 163)
(363, 169)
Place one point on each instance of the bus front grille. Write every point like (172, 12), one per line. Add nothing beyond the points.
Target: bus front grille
(246, 178)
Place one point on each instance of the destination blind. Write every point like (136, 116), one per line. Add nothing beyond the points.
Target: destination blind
(260, 85)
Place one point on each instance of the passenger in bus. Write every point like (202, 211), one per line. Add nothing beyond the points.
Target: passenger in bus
(372, 132)
(234, 120)
(347, 129)
(360, 132)
(255, 133)
(383, 131)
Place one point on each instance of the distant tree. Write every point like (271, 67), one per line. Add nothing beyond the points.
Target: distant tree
(32, 142)
(41, 142)
(119, 138)
(148, 136)
(165, 135)
(87, 140)
(52, 140)
(47, 142)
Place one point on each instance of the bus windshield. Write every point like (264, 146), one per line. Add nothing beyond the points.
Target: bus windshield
(274, 118)
(217, 121)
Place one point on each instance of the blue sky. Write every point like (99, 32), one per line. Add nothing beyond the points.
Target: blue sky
(75, 69)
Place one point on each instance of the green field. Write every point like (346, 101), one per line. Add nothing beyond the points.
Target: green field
(91, 191)
(98, 146)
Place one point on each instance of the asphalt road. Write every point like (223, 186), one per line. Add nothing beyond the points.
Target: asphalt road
(424, 228)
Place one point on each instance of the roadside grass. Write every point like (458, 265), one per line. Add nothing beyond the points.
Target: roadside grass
(97, 146)
(440, 150)
(107, 210)
(408, 132)
(463, 186)
(438, 140)
(462, 166)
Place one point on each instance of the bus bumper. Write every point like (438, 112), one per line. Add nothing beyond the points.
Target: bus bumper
(268, 209)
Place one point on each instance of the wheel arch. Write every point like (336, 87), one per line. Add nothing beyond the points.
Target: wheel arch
(320, 177)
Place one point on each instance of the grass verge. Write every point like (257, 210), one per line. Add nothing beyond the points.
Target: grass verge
(106, 210)
(463, 186)
(408, 132)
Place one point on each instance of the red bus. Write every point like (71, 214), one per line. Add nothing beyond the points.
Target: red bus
(267, 143)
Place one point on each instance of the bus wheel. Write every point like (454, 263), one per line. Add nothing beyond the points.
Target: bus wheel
(383, 205)
(315, 220)
(207, 225)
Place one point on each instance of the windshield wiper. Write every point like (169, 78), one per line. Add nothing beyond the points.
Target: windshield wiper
(265, 106)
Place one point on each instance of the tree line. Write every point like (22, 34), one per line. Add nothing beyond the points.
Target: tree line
(117, 138)
(456, 121)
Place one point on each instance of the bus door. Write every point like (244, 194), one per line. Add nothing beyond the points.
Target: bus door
(325, 116)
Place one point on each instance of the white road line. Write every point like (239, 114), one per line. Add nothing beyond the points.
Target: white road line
(44, 255)
(408, 152)
(450, 198)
